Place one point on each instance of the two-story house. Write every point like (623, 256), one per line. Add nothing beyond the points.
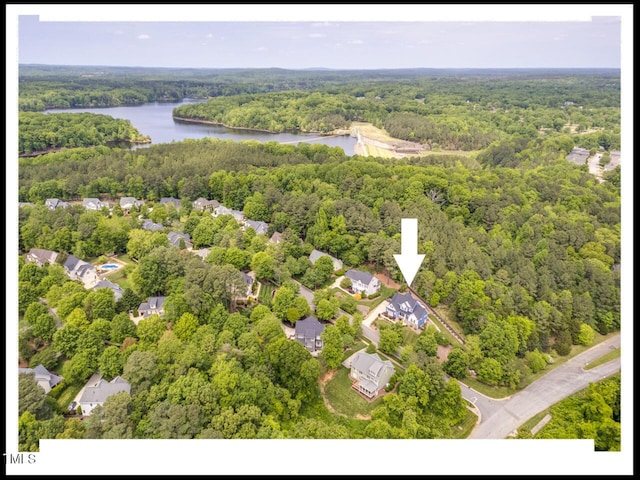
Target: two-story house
(78, 269)
(95, 395)
(308, 333)
(153, 305)
(363, 282)
(370, 373)
(316, 254)
(406, 308)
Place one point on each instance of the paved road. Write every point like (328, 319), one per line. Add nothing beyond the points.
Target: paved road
(498, 418)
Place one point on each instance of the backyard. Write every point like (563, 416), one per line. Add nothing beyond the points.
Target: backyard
(342, 399)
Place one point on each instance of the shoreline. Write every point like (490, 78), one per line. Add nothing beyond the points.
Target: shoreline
(220, 124)
(37, 153)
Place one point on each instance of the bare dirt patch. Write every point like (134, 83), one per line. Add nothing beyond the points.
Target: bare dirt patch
(443, 353)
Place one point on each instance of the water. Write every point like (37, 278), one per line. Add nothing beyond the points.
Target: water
(155, 120)
(109, 266)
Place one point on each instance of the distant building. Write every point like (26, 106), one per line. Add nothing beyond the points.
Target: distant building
(96, 395)
(176, 202)
(276, 238)
(260, 228)
(114, 287)
(153, 305)
(203, 204)
(151, 226)
(308, 333)
(78, 269)
(222, 210)
(43, 377)
(406, 308)
(93, 204)
(175, 237)
(316, 254)
(127, 203)
(53, 203)
(248, 281)
(41, 257)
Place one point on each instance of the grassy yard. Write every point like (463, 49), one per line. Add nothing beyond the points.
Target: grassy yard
(463, 429)
(66, 395)
(119, 278)
(265, 295)
(603, 359)
(358, 345)
(344, 399)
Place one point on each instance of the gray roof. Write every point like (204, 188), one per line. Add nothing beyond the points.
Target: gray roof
(316, 254)
(42, 374)
(175, 201)
(358, 275)
(174, 238)
(578, 155)
(149, 225)
(310, 327)
(203, 202)
(129, 201)
(92, 203)
(55, 203)
(276, 237)
(370, 363)
(104, 390)
(71, 262)
(42, 256)
(404, 302)
(117, 289)
(237, 214)
(259, 226)
(153, 304)
(248, 279)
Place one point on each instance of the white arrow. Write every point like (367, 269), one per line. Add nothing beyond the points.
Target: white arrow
(409, 260)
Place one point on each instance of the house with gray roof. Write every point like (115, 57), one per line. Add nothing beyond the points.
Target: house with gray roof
(41, 257)
(151, 226)
(248, 281)
(94, 204)
(153, 305)
(176, 202)
(308, 333)
(316, 254)
(114, 287)
(203, 204)
(406, 308)
(53, 203)
(95, 395)
(276, 238)
(260, 228)
(127, 203)
(78, 269)
(363, 282)
(222, 210)
(43, 377)
(370, 373)
(175, 237)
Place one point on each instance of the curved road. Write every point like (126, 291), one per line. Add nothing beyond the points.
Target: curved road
(500, 417)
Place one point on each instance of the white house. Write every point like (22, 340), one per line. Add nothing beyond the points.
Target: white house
(408, 309)
(222, 210)
(41, 257)
(260, 228)
(78, 269)
(127, 203)
(114, 287)
(93, 204)
(95, 395)
(43, 377)
(53, 203)
(151, 306)
(203, 204)
(370, 373)
(363, 282)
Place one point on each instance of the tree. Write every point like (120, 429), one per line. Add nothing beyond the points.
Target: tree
(33, 311)
(332, 346)
(141, 370)
(390, 339)
(31, 397)
(44, 327)
(111, 362)
(427, 342)
(457, 363)
(587, 335)
(562, 344)
(100, 304)
(77, 370)
(490, 371)
(264, 265)
(346, 283)
(150, 329)
(283, 300)
(186, 326)
(326, 310)
(121, 327)
(46, 357)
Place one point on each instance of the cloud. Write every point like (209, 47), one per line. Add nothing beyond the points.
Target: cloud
(317, 35)
(144, 36)
(357, 41)
(209, 35)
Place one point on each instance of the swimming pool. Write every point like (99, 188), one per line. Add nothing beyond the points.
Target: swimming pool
(109, 266)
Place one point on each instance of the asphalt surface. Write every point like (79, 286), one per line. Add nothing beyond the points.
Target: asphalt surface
(500, 417)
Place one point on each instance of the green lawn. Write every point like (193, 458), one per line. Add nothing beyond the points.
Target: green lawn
(358, 345)
(344, 399)
(463, 429)
(66, 396)
(266, 291)
(604, 359)
(119, 278)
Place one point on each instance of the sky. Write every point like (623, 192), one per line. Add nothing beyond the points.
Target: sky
(402, 36)
(339, 37)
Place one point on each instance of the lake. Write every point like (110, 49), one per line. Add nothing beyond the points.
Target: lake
(155, 120)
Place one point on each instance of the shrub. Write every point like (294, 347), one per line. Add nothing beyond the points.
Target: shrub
(371, 349)
(374, 295)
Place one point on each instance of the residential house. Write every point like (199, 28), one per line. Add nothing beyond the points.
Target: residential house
(176, 202)
(175, 237)
(151, 226)
(406, 308)
(95, 395)
(260, 228)
(363, 282)
(370, 372)
(248, 281)
(78, 269)
(153, 305)
(93, 204)
(53, 203)
(114, 287)
(316, 254)
(43, 377)
(222, 210)
(203, 253)
(308, 333)
(203, 204)
(127, 203)
(276, 238)
(41, 257)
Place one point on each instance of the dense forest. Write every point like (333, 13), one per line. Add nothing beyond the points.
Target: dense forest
(522, 250)
(38, 132)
